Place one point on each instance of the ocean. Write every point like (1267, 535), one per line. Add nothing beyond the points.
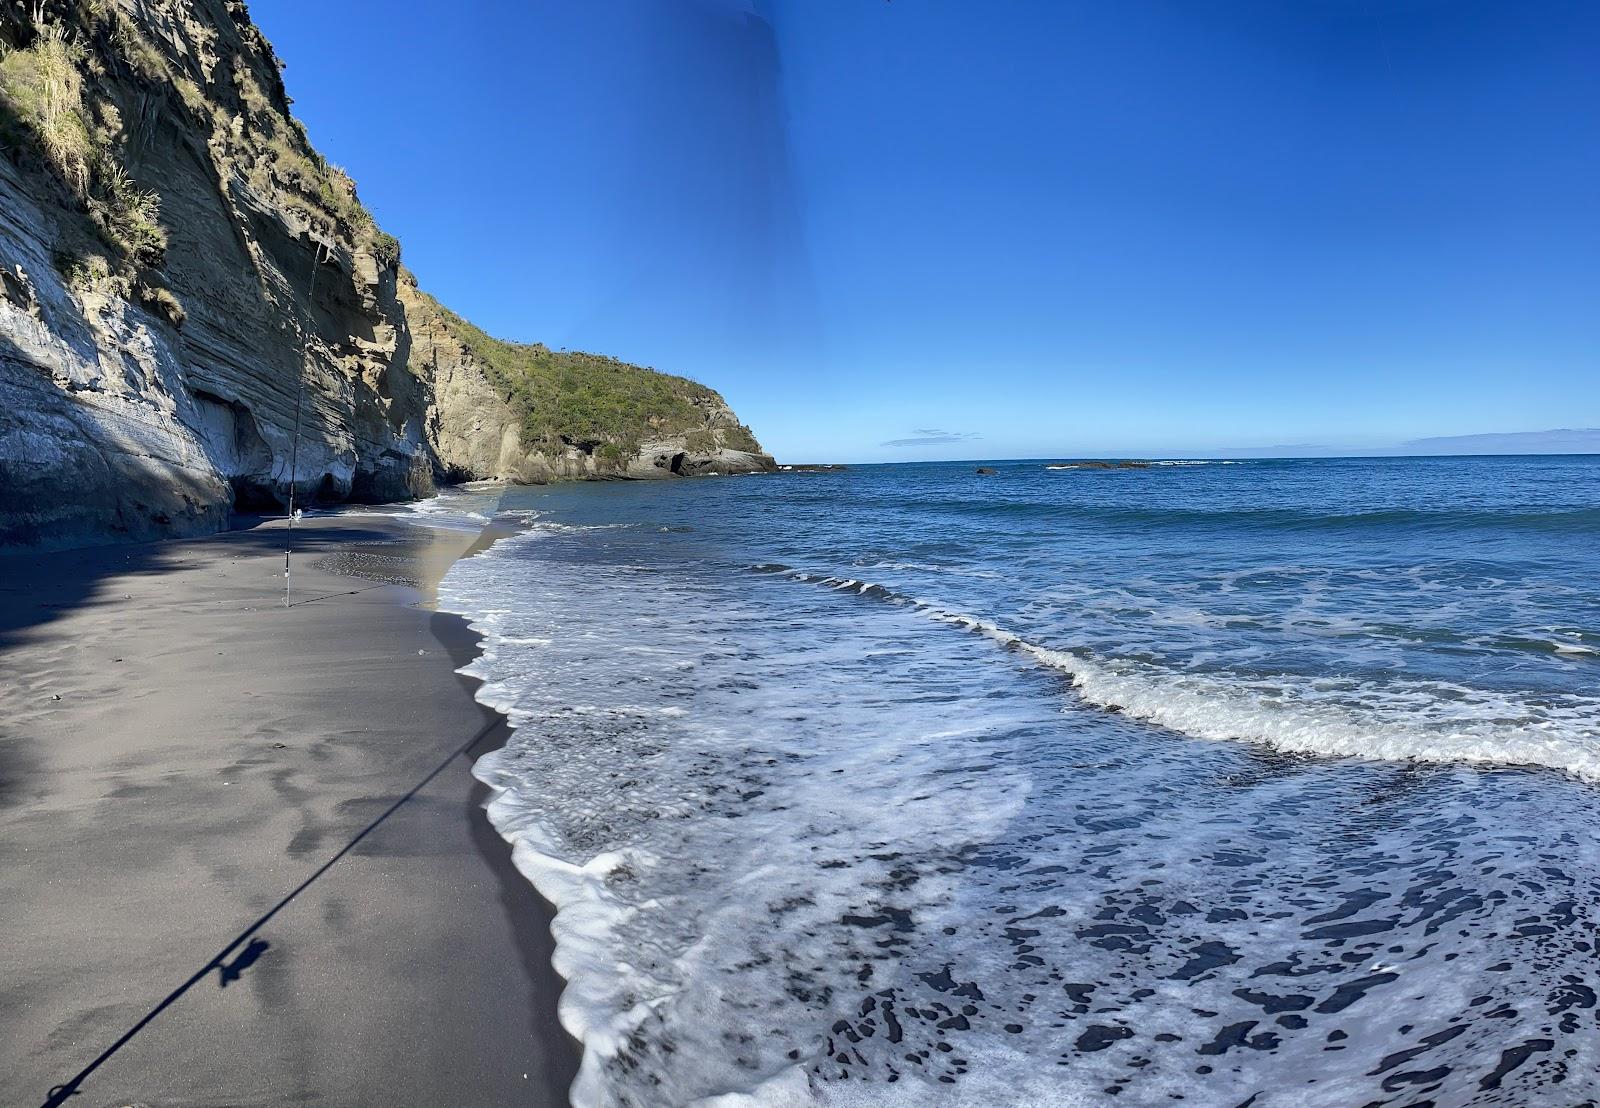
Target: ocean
(1223, 783)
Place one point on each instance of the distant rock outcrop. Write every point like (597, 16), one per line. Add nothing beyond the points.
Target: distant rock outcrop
(183, 280)
(1098, 465)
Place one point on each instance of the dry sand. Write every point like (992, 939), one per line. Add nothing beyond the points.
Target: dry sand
(210, 752)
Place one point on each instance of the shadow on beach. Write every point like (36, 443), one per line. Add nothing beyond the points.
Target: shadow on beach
(446, 906)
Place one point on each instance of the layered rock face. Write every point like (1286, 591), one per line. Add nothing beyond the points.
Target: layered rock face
(183, 281)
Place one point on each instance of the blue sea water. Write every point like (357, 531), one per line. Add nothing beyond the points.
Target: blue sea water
(1222, 783)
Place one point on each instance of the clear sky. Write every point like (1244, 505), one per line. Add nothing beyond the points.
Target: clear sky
(1002, 229)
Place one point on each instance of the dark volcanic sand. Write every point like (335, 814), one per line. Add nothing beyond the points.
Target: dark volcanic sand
(209, 752)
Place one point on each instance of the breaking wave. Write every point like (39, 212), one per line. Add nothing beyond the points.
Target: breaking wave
(1398, 720)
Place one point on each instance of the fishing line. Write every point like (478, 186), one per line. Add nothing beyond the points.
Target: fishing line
(299, 403)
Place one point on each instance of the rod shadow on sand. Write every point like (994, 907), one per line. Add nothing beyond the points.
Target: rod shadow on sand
(253, 947)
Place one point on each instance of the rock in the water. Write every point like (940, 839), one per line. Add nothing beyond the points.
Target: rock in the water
(1095, 464)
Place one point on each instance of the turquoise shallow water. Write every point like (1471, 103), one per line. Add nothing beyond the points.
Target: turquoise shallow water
(1199, 782)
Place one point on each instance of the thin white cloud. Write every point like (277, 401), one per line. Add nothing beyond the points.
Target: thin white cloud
(933, 436)
(1565, 440)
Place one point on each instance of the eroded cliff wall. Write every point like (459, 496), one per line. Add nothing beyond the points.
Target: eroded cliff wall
(183, 279)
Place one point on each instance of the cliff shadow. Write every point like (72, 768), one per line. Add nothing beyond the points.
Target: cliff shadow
(39, 587)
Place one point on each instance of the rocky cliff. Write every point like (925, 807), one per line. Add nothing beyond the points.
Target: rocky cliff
(184, 280)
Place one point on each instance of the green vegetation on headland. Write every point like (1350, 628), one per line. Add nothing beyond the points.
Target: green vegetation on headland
(568, 397)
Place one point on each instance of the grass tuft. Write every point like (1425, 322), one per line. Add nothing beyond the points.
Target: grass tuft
(164, 303)
(128, 215)
(386, 248)
(41, 88)
(91, 273)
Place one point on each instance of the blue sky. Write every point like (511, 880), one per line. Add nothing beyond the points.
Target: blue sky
(1002, 229)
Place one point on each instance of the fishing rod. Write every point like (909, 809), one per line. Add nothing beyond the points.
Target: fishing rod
(299, 404)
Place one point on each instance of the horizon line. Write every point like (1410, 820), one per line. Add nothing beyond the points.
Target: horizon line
(1250, 457)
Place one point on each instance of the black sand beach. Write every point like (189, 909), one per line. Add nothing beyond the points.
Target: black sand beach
(179, 754)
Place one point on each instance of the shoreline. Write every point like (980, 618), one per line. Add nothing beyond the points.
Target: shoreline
(289, 787)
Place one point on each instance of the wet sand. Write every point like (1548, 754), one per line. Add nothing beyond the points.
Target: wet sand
(242, 857)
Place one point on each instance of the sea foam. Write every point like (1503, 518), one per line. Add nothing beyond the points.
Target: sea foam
(805, 851)
(1396, 719)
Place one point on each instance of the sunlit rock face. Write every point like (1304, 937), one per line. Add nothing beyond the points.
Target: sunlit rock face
(196, 312)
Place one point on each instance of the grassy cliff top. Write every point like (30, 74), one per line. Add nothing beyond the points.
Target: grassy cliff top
(569, 396)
